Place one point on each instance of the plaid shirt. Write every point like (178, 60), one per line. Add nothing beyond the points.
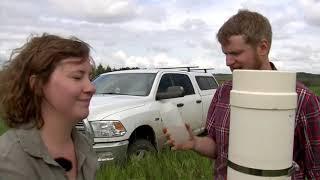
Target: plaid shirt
(306, 139)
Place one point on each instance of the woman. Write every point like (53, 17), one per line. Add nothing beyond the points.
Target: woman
(45, 90)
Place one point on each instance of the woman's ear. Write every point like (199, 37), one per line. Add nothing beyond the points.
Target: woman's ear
(35, 85)
(32, 81)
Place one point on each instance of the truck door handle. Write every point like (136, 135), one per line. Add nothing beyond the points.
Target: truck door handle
(198, 101)
(180, 105)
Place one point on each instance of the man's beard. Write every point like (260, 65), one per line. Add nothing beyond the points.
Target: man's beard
(256, 65)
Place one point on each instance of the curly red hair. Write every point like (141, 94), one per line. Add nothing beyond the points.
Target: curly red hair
(19, 102)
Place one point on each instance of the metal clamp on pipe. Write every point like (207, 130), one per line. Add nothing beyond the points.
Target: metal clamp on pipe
(260, 172)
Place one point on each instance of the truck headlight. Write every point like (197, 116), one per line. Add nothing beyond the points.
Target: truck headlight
(107, 128)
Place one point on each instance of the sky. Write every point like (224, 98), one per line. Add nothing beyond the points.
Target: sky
(163, 33)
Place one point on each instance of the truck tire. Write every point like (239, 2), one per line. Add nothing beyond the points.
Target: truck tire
(140, 147)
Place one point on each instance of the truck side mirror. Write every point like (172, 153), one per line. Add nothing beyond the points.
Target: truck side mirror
(172, 92)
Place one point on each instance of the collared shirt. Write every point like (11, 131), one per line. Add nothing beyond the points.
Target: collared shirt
(306, 139)
(24, 156)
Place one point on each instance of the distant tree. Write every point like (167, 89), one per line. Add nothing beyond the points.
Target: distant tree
(108, 69)
(100, 70)
(124, 68)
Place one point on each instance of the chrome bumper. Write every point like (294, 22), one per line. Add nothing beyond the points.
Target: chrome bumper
(111, 152)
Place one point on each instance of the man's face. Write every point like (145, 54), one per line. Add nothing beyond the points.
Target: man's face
(240, 55)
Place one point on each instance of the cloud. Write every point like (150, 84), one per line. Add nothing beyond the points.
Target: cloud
(311, 11)
(295, 53)
(297, 57)
(121, 59)
(296, 66)
(190, 44)
(155, 33)
(158, 60)
(194, 24)
(209, 44)
(3, 58)
(153, 13)
(193, 4)
(109, 11)
(285, 17)
(159, 49)
(99, 10)
(210, 62)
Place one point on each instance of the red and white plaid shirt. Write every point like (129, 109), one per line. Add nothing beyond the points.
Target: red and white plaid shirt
(306, 139)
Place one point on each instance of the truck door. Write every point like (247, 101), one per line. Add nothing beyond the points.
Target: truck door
(207, 86)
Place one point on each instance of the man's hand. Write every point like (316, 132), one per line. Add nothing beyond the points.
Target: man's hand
(188, 145)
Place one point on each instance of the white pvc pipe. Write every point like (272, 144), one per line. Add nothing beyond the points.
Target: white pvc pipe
(262, 119)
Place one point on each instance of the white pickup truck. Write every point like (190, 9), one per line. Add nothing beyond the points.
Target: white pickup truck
(125, 118)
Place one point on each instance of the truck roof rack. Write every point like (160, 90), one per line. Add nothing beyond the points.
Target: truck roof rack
(188, 68)
(204, 69)
(181, 67)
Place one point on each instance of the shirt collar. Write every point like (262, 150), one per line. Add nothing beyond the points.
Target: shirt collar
(273, 67)
(32, 143)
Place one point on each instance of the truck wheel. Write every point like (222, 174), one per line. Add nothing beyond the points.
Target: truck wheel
(140, 147)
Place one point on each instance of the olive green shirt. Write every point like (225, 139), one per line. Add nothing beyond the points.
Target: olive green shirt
(24, 156)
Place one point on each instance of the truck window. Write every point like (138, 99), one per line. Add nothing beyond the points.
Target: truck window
(165, 82)
(184, 81)
(132, 84)
(206, 82)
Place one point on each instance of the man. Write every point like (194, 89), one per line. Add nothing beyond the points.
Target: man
(245, 40)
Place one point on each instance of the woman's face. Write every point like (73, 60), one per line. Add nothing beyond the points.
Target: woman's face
(68, 92)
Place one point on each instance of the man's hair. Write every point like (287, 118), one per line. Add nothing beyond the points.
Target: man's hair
(251, 25)
(20, 102)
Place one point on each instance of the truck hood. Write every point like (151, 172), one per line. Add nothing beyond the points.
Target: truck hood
(102, 106)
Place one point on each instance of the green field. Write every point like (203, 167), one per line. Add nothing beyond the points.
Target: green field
(315, 89)
(2, 127)
(165, 165)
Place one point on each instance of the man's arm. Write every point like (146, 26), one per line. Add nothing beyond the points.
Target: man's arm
(205, 146)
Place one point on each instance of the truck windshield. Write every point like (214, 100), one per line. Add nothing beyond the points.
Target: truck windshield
(135, 84)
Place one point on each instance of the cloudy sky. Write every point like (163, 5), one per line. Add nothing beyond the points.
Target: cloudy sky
(163, 33)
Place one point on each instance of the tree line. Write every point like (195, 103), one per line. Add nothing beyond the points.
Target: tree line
(100, 69)
(307, 79)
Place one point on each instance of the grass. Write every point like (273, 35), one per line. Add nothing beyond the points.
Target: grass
(3, 128)
(165, 165)
(315, 89)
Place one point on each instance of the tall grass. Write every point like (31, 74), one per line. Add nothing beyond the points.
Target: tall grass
(315, 89)
(165, 165)
(3, 128)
